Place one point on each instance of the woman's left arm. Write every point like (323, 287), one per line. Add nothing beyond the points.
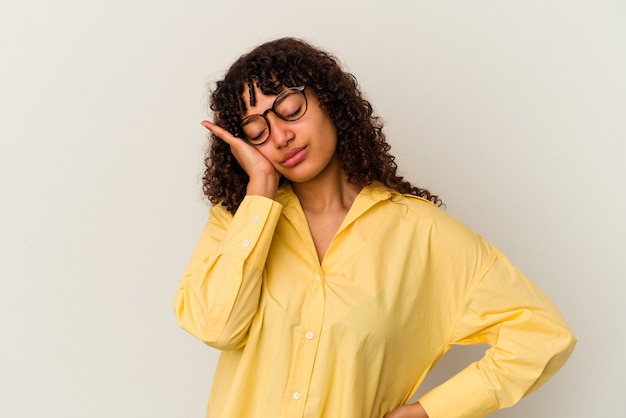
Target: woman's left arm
(529, 340)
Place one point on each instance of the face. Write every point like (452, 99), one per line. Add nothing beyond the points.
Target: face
(300, 150)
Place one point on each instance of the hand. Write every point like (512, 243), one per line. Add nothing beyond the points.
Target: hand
(407, 411)
(263, 176)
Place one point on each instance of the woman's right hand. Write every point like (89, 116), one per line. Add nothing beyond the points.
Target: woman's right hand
(263, 176)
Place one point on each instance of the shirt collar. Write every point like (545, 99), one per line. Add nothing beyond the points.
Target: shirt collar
(369, 196)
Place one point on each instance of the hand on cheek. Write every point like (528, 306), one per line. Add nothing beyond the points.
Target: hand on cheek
(263, 176)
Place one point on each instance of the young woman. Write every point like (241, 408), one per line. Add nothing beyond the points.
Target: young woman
(331, 284)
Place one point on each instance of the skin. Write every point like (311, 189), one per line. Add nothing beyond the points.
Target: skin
(304, 152)
(314, 134)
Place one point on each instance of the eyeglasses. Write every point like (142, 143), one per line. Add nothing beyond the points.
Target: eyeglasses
(290, 105)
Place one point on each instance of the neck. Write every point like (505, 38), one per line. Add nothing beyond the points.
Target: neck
(329, 191)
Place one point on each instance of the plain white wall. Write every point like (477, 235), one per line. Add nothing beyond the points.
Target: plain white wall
(513, 111)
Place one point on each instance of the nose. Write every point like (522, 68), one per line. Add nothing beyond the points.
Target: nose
(281, 133)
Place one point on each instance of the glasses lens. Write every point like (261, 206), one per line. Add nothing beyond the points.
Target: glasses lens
(255, 130)
(290, 105)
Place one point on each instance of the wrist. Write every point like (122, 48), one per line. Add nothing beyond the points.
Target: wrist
(263, 186)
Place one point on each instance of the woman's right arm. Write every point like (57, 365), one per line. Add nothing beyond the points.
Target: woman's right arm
(219, 291)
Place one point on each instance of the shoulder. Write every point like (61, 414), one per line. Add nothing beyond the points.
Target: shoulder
(219, 211)
(406, 205)
(443, 230)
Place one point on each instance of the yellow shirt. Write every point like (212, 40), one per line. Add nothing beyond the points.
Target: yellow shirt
(401, 282)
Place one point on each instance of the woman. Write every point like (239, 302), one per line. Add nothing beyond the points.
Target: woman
(331, 284)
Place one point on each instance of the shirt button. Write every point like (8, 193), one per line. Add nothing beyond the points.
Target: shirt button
(245, 243)
(296, 395)
(255, 219)
(309, 335)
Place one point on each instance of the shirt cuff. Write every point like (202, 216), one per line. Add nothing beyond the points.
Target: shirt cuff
(463, 396)
(255, 215)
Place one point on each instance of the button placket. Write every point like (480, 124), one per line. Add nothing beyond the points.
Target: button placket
(306, 352)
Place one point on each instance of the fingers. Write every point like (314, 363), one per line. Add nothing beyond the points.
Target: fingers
(250, 159)
(263, 176)
(220, 132)
(237, 146)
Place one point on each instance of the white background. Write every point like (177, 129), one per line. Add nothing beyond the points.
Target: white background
(513, 111)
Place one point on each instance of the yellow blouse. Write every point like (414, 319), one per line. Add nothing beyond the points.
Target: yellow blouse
(401, 282)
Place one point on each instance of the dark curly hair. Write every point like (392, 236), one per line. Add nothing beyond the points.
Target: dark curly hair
(287, 62)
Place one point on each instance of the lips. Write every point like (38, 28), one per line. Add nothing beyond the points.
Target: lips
(293, 156)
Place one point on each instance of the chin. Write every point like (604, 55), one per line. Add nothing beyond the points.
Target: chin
(300, 177)
(309, 170)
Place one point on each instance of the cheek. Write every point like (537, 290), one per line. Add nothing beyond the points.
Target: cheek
(272, 157)
(330, 133)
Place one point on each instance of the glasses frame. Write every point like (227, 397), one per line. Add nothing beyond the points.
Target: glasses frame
(272, 109)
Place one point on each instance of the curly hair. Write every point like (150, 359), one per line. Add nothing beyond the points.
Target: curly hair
(361, 144)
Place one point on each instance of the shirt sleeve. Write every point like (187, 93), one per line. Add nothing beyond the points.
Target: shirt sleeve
(529, 341)
(219, 292)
